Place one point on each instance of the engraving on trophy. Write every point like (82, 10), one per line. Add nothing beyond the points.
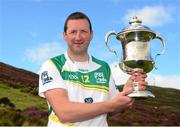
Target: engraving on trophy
(136, 48)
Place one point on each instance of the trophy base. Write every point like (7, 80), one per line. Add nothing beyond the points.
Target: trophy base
(141, 94)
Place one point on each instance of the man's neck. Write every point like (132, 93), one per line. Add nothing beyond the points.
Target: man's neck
(78, 57)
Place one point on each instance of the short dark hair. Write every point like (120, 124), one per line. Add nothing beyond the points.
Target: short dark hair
(77, 15)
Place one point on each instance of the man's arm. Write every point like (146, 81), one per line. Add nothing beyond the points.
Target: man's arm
(138, 76)
(68, 111)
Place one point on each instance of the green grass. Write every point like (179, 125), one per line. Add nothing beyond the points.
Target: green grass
(22, 100)
(161, 110)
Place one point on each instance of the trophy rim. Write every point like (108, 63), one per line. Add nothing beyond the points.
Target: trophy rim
(136, 30)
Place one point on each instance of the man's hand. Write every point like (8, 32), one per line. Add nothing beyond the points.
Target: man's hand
(139, 76)
(120, 102)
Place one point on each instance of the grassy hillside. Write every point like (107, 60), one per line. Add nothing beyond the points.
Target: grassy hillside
(22, 100)
(21, 106)
(31, 109)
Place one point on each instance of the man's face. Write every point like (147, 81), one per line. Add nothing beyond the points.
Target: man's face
(78, 36)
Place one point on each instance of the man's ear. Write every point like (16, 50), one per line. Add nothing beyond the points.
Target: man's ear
(92, 34)
(64, 35)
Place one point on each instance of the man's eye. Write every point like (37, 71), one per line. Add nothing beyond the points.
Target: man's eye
(72, 32)
(84, 31)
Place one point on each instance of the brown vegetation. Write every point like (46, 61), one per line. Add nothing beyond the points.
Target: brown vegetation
(163, 110)
(17, 77)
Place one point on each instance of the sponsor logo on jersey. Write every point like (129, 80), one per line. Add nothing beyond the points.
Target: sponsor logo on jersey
(73, 77)
(88, 100)
(45, 78)
(99, 76)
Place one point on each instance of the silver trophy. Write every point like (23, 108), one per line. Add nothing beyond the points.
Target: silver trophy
(136, 49)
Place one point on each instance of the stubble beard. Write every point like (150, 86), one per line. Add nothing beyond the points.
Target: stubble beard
(79, 51)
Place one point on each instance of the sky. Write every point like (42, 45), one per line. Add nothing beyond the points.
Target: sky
(31, 32)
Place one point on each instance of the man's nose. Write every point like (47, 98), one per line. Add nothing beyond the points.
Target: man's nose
(78, 36)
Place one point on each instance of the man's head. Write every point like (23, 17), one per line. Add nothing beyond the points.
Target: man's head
(76, 16)
(78, 34)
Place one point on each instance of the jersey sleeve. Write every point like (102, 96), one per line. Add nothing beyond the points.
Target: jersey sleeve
(49, 78)
(112, 87)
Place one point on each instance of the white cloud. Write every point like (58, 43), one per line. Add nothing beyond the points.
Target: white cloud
(153, 79)
(151, 16)
(167, 81)
(44, 51)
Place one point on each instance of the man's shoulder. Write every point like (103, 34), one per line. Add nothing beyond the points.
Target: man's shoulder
(59, 57)
(56, 60)
(59, 61)
(99, 61)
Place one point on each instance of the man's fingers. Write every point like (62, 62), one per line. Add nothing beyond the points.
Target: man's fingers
(142, 85)
(126, 92)
(131, 103)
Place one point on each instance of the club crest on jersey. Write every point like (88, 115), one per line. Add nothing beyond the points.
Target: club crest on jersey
(88, 100)
(99, 76)
(45, 78)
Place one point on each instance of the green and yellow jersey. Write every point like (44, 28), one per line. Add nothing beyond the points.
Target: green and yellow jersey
(85, 82)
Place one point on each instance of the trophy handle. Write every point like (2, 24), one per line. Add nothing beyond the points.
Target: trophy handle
(107, 42)
(162, 51)
(163, 44)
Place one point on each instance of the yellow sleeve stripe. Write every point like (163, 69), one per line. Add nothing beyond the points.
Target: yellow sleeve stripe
(55, 119)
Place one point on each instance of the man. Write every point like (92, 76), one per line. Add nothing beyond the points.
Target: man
(78, 87)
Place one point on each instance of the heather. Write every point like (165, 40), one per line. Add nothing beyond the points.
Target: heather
(20, 108)
(20, 104)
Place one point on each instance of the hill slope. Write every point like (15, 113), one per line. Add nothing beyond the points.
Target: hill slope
(16, 76)
(14, 83)
(163, 110)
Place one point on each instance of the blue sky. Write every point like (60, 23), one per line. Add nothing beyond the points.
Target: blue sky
(31, 30)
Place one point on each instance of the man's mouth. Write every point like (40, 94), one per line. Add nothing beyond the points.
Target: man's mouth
(78, 43)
